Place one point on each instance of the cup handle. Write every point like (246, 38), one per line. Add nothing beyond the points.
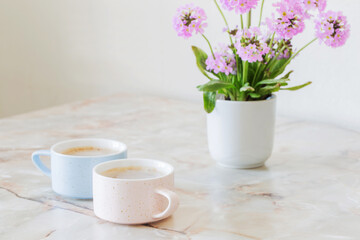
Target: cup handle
(39, 164)
(173, 202)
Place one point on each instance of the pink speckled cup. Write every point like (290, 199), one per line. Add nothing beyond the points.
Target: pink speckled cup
(134, 201)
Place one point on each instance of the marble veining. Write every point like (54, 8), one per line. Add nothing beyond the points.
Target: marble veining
(308, 189)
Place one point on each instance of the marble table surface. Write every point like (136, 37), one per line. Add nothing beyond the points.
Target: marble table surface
(308, 189)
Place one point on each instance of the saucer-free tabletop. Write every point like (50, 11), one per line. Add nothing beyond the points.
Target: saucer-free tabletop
(308, 189)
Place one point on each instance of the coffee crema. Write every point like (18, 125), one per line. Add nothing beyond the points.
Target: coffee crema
(87, 151)
(132, 172)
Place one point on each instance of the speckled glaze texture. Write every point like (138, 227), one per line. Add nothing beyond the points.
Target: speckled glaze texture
(132, 201)
(308, 189)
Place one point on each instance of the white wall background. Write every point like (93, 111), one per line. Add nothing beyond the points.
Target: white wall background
(52, 52)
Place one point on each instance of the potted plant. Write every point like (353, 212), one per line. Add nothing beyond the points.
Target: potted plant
(244, 73)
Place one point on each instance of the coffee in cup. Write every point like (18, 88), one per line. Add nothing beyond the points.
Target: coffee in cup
(132, 172)
(88, 151)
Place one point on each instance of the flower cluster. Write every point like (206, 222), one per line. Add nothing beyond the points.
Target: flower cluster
(222, 61)
(240, 6)
(250, 66)
(332, 28)
(290, 19)
(249, 47)
(287, 49)
(189, 19)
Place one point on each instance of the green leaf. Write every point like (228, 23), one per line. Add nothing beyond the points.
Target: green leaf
(254, 95)
(277, 68)
(214, 86)
(222, 91)
(252, 67)
(269, 89)
(209, 101)
(296, 87)
(287, 75)
(272, 81)
(246, 88)
(201, 57)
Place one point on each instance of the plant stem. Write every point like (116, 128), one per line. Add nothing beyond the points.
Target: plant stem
(249, 19)
(271, 44)
(245, 64)
(256, 73)
(292, 57)
(238, 71)
(223, 16)
(232, 96)
(242, 22)
(271, 62)
(212, 52)
(245, 72)
(261, 11)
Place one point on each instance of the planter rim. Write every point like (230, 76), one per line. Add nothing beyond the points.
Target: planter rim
(269, 99)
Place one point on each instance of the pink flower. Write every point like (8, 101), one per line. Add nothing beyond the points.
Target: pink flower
(332, 28)
(223, 62)
(240, 6)
(250, 33)
(315, 4)
(189, 19)
(290, 19)
(284, 55)
(250, 46)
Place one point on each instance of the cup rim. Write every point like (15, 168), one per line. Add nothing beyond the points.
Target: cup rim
(96, 167)
(122, 146)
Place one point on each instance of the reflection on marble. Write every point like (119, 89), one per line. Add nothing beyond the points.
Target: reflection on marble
(309, 188)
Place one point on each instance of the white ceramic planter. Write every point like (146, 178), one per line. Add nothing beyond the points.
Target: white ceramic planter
(241, 134)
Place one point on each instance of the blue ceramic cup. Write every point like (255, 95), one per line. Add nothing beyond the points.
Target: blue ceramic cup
(72, 163)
